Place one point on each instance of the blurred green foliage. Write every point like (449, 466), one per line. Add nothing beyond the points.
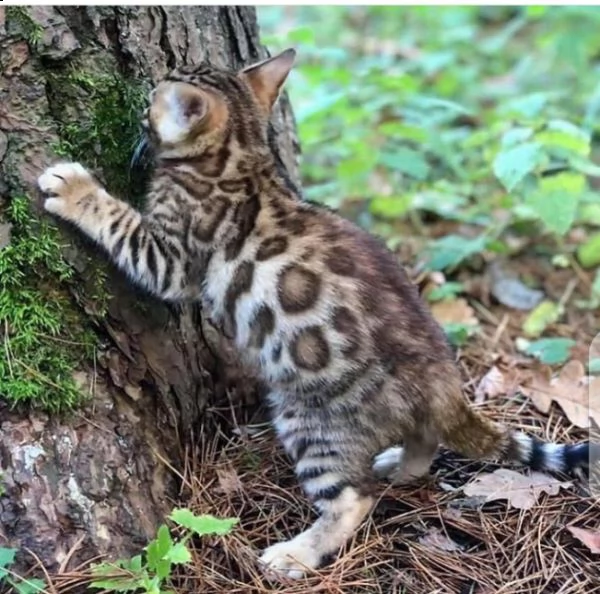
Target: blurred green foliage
(484, 117)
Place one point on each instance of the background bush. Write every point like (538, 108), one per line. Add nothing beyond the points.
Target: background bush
(482, 118)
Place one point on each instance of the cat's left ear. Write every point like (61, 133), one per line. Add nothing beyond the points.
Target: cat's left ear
(267, 77)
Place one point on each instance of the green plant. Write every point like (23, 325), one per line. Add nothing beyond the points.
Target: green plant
(452, 114)
(42, 337)
(105, 131)
(30, 29)
(18, 584)
(149, 572)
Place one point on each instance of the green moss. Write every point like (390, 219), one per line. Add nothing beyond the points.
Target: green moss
(105, 126)
(30, 29)
(42, 336)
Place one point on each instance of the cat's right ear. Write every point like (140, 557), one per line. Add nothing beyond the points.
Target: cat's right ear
(267, 77)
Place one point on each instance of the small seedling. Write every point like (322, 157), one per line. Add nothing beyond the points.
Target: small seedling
(149, 572)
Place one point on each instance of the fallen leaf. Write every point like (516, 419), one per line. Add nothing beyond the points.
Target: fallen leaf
(521, 491)
(590, 538)
(551, 351)
(576, 393)
(491, 384)
(510, 291)
(229, 481)
(436, 539)
(546, 313)
(497, 381)
(454, 311)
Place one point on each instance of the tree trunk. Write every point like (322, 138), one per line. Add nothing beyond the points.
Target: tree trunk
(94, 481)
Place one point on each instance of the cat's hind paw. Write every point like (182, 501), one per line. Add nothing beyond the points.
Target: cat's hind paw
(292, 558)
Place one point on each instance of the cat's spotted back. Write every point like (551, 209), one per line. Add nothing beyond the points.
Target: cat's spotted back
(317, 307)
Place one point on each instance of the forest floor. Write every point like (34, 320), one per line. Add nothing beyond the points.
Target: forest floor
(430, 537)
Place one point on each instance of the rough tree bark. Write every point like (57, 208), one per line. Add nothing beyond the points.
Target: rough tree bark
(96, 476)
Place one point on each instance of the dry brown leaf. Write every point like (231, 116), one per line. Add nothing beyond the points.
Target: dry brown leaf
(229, 481)
(590, 538)
(496, 382)
(490, 385)
(521, 491)
(576, 393)
(454, 311)
(436, 539)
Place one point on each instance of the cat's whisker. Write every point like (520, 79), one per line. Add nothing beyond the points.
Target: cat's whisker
(139, 152)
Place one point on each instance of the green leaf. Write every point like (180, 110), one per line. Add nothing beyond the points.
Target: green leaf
(588, 253)
(527, 106)
(590, 214)
(458, 333)
(451, 250)
(445, 291)
(556, 200)
(164, 540)
(179, 553)
(551, 351)
(565, 136)
(513, 164)
(390, 207)
(407, 161)
(594, 366)
(7, 557)
(29, 586)
(202, 525)
(546, 313)
(123, 583)
(596, 284)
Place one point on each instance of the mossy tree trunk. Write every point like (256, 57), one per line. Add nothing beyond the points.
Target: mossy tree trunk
(91, 479)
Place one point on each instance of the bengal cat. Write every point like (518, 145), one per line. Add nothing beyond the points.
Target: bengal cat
(320, 309)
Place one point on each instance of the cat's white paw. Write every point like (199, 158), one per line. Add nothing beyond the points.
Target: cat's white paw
(66, 183)
(388, 462)
(291, 558)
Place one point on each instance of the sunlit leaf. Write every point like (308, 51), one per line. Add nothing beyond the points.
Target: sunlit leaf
(546, 313)
(451, 250)
(566, 136)
(179, 554)
(513, 164)
(203, 525)
(556, 200)
(588, 253)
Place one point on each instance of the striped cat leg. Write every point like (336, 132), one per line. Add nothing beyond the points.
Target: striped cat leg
(404, 464)
(134, 246)
(339, 519)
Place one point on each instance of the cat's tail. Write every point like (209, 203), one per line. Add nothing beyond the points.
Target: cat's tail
(478, 438)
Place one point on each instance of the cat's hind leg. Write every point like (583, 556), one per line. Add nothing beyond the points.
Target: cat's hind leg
(403, 464)
(340, 517)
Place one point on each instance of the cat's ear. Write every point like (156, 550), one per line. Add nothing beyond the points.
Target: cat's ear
(267, 77)
(192, 102)
(177, 110)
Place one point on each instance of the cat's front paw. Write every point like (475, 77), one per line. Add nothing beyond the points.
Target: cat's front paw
(67, 184)
(291, 558)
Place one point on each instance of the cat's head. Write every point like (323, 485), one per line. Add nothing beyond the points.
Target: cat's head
(195, 107)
